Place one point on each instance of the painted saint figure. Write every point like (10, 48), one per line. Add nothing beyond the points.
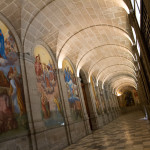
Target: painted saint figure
(2, 47)
(73, 97)
(38, 66)
(16, 93)
(12, 106)
(48, 88)
(45, 107)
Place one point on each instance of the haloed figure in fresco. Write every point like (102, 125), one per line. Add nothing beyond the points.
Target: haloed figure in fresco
(16, 92)
(47, 84)
(74, 101)
(13, 116)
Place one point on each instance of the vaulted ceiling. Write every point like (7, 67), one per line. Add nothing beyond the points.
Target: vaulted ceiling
(94, 34)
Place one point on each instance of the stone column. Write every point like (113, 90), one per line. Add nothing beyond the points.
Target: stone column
(101, 115)
(110, 106)
(117, 104)
(99, 97)
(92, 108)
(85, 115)
(114, 105)
(107, 118)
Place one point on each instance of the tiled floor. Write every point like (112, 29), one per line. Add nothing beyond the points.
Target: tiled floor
(128, 132)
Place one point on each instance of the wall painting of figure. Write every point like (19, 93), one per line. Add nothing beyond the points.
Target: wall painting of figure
(13, 117)
(51, 107)
(72, 90)
(98, 108)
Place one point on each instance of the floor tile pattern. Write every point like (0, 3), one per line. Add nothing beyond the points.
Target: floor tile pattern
(128, 132)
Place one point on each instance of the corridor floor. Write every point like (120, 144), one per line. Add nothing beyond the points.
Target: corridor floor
(128, 132)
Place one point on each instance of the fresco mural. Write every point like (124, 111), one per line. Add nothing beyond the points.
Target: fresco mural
(126, 99)
(73, 96)
(96, 96)
(51, 107)
(13, 117)
(135, 96)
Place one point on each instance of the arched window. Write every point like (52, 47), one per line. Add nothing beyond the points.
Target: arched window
(134, 34)
(137, 11)
(132, 2)
(136, 4)
(138, 47)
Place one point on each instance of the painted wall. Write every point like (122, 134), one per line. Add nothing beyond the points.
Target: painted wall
(95, 95)
(126, 99)
(72, 91)
(13, 117)
(47, 83)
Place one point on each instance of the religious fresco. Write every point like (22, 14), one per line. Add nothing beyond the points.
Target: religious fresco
(13, 117)
(47, 83)
(73, 95)
(96, 96)
(135, 96)
(126, 99)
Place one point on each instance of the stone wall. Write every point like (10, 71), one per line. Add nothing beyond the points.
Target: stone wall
(38, 135)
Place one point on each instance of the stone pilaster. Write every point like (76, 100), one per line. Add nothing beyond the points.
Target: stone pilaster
(31, 99)
(85, 115)
(110, 106)
(99, 98)
(102, 112)
(117, 104)
(107, 108)
(92, 107)
(65, 104)
(114, 105)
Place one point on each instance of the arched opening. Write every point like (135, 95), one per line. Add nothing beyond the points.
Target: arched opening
(127, 98)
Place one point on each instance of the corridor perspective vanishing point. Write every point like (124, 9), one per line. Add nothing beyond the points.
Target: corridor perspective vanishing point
(74, 74)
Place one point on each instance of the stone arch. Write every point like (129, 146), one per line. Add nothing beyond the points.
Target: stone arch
(119, 72)
(34, 18)
(123, 85)
(99, 73)
(124, 48)
(92, 68)
(120, 30)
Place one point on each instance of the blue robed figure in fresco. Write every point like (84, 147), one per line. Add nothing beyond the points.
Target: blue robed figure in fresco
(2, 46)
(67, 75)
